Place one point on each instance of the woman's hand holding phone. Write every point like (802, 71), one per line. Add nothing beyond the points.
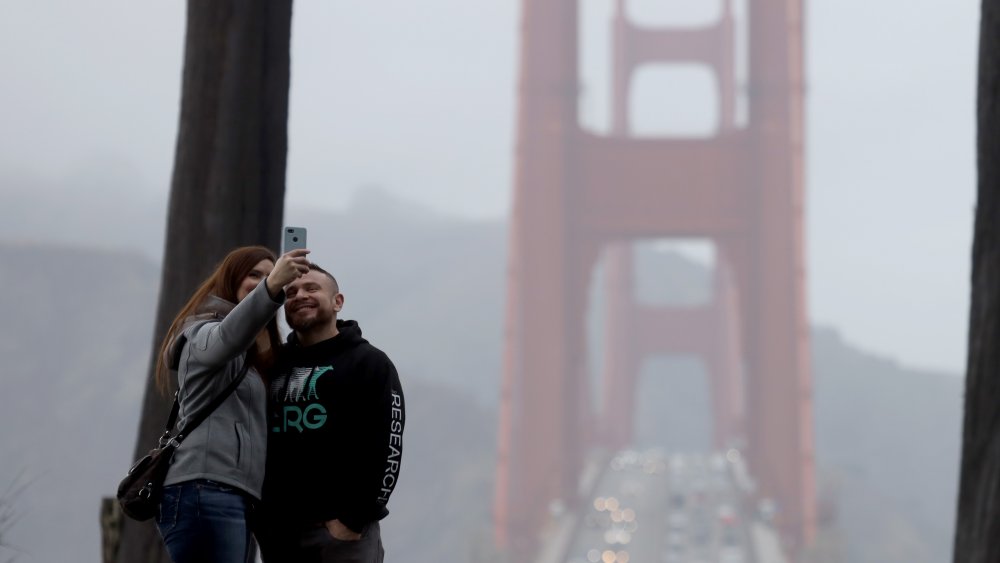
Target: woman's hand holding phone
(289, 267)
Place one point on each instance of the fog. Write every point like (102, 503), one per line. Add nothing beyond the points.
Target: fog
(419, 100)
(890, 113)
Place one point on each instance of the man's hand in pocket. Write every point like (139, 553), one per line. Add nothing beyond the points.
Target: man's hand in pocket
(341, 532)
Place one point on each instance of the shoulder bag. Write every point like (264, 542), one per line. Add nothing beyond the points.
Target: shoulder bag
(140, 491)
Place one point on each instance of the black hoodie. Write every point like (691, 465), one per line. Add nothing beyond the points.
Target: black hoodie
(335, 419)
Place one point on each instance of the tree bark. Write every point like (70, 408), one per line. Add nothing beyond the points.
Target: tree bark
(977, 531)
(228, 182)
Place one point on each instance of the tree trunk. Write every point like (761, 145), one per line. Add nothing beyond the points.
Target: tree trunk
(228, 184)
(977, 537)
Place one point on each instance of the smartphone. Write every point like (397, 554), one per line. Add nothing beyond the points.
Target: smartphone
(294, 238)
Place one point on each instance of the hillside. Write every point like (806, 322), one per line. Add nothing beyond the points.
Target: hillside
(428, 290)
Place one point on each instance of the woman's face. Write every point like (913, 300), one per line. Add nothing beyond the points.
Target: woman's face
(253, 279)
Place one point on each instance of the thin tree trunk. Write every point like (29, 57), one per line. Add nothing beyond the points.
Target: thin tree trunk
(977, 531)
(228, 183)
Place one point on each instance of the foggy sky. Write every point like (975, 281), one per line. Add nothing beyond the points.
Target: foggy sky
(418, 97)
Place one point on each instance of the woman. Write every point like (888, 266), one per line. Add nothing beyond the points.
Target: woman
(219, 469)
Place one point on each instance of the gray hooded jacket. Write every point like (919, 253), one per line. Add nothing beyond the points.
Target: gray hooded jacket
(230, 445)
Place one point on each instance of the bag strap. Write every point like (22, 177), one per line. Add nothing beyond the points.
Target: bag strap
(205, 412)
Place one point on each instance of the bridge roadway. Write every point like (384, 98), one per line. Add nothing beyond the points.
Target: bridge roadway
(648, 507)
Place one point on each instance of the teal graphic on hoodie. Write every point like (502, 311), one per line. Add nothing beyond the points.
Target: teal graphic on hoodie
(299, 386)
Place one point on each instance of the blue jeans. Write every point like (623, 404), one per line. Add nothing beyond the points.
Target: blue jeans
(204, 521)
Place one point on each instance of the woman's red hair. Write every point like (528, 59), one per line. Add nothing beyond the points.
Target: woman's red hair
(224, 283)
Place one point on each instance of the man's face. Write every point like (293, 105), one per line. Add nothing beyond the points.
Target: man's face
(311, 301)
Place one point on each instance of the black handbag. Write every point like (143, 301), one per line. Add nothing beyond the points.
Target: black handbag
(140, 491)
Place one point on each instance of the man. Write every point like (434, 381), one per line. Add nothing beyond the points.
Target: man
(335, 417)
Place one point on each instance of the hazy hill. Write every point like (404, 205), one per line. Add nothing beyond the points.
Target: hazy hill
(428, 290)
(74, 347)
(888, 443)
(75, 352)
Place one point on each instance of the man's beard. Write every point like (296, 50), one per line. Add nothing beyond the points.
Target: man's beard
(321, 318)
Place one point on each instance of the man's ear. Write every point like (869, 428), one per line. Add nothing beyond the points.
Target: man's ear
(338, 302)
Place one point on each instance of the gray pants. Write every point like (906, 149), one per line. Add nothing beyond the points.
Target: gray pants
(314, 544)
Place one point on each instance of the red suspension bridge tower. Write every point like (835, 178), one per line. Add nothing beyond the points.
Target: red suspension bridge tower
(579, 194)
